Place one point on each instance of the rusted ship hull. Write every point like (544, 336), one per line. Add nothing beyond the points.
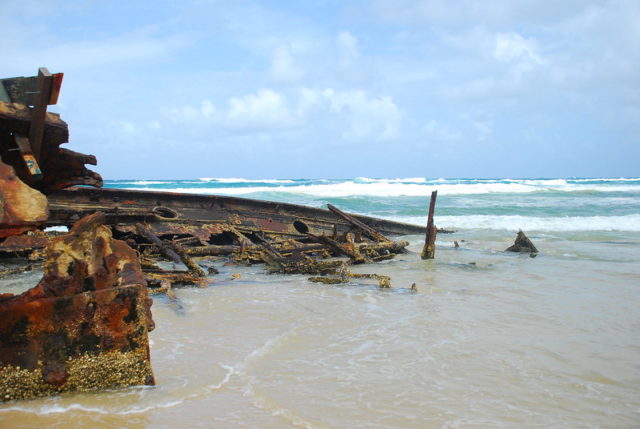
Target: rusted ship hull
(247, 215)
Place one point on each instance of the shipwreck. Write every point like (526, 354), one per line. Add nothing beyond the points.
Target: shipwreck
(85, 325)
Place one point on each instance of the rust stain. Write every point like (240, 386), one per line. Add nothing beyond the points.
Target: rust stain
(22, 208)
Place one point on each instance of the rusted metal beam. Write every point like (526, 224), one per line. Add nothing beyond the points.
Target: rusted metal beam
(36, 129)
(166, 250)
(187, 261)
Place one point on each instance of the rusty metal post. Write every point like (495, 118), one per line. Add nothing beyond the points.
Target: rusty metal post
(39, 113)
(429, 250)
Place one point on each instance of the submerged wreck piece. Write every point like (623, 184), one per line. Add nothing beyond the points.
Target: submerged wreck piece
(84, 326)
(522, 245)
(343, 276)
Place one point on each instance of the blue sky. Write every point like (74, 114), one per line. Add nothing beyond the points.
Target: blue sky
(338, 89)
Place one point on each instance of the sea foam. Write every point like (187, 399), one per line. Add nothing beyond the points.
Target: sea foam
(396, 189)
(627, 223)
(241, 180)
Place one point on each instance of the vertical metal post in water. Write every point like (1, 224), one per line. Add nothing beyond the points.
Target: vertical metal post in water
(429, 249)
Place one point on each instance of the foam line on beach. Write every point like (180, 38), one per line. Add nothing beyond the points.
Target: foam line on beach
(59, 409)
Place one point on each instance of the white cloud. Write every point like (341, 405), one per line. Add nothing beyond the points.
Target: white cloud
(376, 118)
(348, 46)
(483, 129)
(514, 47)
(189, 113)
(266, 109)
(207, 108)
(489, 13)
(126, 127)
(441, 132)
(340, 117)
(283, 67)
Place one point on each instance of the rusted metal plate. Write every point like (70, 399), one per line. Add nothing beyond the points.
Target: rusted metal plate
(24, 242)
(20, 89)
(84, 326)
(24, 89)
(21, 207)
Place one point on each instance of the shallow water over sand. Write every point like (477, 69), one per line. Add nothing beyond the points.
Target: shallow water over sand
(490, 340)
